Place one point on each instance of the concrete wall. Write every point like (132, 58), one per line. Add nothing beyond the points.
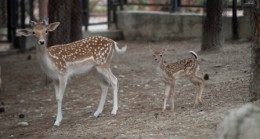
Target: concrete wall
(157, 26)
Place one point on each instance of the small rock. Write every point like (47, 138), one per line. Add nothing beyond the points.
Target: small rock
(37, 110)
(156, 115)
(88, 107)
(29, 57)
(21, 115)
(206, 77)
(121, 91)
(218, 66)
(2, 109)
(115, 66)
(23, 124)
(146, 86)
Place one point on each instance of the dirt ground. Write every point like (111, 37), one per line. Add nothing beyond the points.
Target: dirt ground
(141, 92)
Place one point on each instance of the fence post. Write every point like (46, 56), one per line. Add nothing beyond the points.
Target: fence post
(31, 9)
(22, 38)
(85, 15)
(11, 23)
(174, 6)
(109, 11)
(234, 20)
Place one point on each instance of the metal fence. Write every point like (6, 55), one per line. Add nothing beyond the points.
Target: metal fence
(14, 12)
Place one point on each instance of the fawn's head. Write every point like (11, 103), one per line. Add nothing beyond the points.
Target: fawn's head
(39, 30)
(158, 54)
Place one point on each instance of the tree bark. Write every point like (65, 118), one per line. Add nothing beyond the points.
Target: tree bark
(60, 11)
(76, 21)
(43, 9)
(255, 78)
(213, 31)
(69, 14)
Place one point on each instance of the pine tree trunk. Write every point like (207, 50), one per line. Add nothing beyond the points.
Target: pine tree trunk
(60, 11)
(76, 21)
(43, 9)
(213, 32)
(255, 78)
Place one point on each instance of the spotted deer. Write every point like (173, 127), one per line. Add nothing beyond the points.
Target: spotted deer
(60, 62)
(169, 72)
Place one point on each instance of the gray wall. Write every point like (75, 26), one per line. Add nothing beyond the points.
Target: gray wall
(158, 26)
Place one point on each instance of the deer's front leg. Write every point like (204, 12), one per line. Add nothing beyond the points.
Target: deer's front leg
(167, 92)
(59, 89)
(172, 95)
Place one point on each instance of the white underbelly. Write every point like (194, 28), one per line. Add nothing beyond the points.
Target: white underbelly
(80, 67)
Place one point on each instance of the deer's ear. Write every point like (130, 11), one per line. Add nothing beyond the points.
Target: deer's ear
(24, 32)
(53, 26)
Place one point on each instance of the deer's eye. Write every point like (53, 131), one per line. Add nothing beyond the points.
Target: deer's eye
(33, 33)
(160, 55)
(46, 31)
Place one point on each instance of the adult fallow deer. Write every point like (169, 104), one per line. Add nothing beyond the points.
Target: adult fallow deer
(60, 62)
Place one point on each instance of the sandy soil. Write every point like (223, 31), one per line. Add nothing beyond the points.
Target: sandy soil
(25, 93)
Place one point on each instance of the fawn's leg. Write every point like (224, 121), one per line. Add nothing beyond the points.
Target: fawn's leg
(172, 95)
(167, 92)
(196, 80)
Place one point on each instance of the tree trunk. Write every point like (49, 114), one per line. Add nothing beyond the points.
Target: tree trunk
(43, 9)
(60, 11)
(69, 14)
(255, 78)
(213, 31)
(76, 21)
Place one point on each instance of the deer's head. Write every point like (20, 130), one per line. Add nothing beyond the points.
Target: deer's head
(39, 30)
(158, 54)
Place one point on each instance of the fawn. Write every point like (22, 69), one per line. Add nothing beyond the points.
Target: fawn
(169, 72)
(62, 61)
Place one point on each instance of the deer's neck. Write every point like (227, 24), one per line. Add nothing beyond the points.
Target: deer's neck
(162, 64)
(44, 60)
(161, 67)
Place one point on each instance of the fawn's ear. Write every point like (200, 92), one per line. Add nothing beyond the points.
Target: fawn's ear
(24, 32)
(165, 49)
(150, 49)
(53, 26)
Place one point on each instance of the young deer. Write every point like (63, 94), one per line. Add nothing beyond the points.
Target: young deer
(60, 62)
(169, 72)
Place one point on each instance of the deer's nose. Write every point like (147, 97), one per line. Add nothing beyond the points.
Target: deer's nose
(41, 42)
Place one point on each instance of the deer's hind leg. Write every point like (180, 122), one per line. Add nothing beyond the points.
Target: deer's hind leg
(198, 81)
(110, 78)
